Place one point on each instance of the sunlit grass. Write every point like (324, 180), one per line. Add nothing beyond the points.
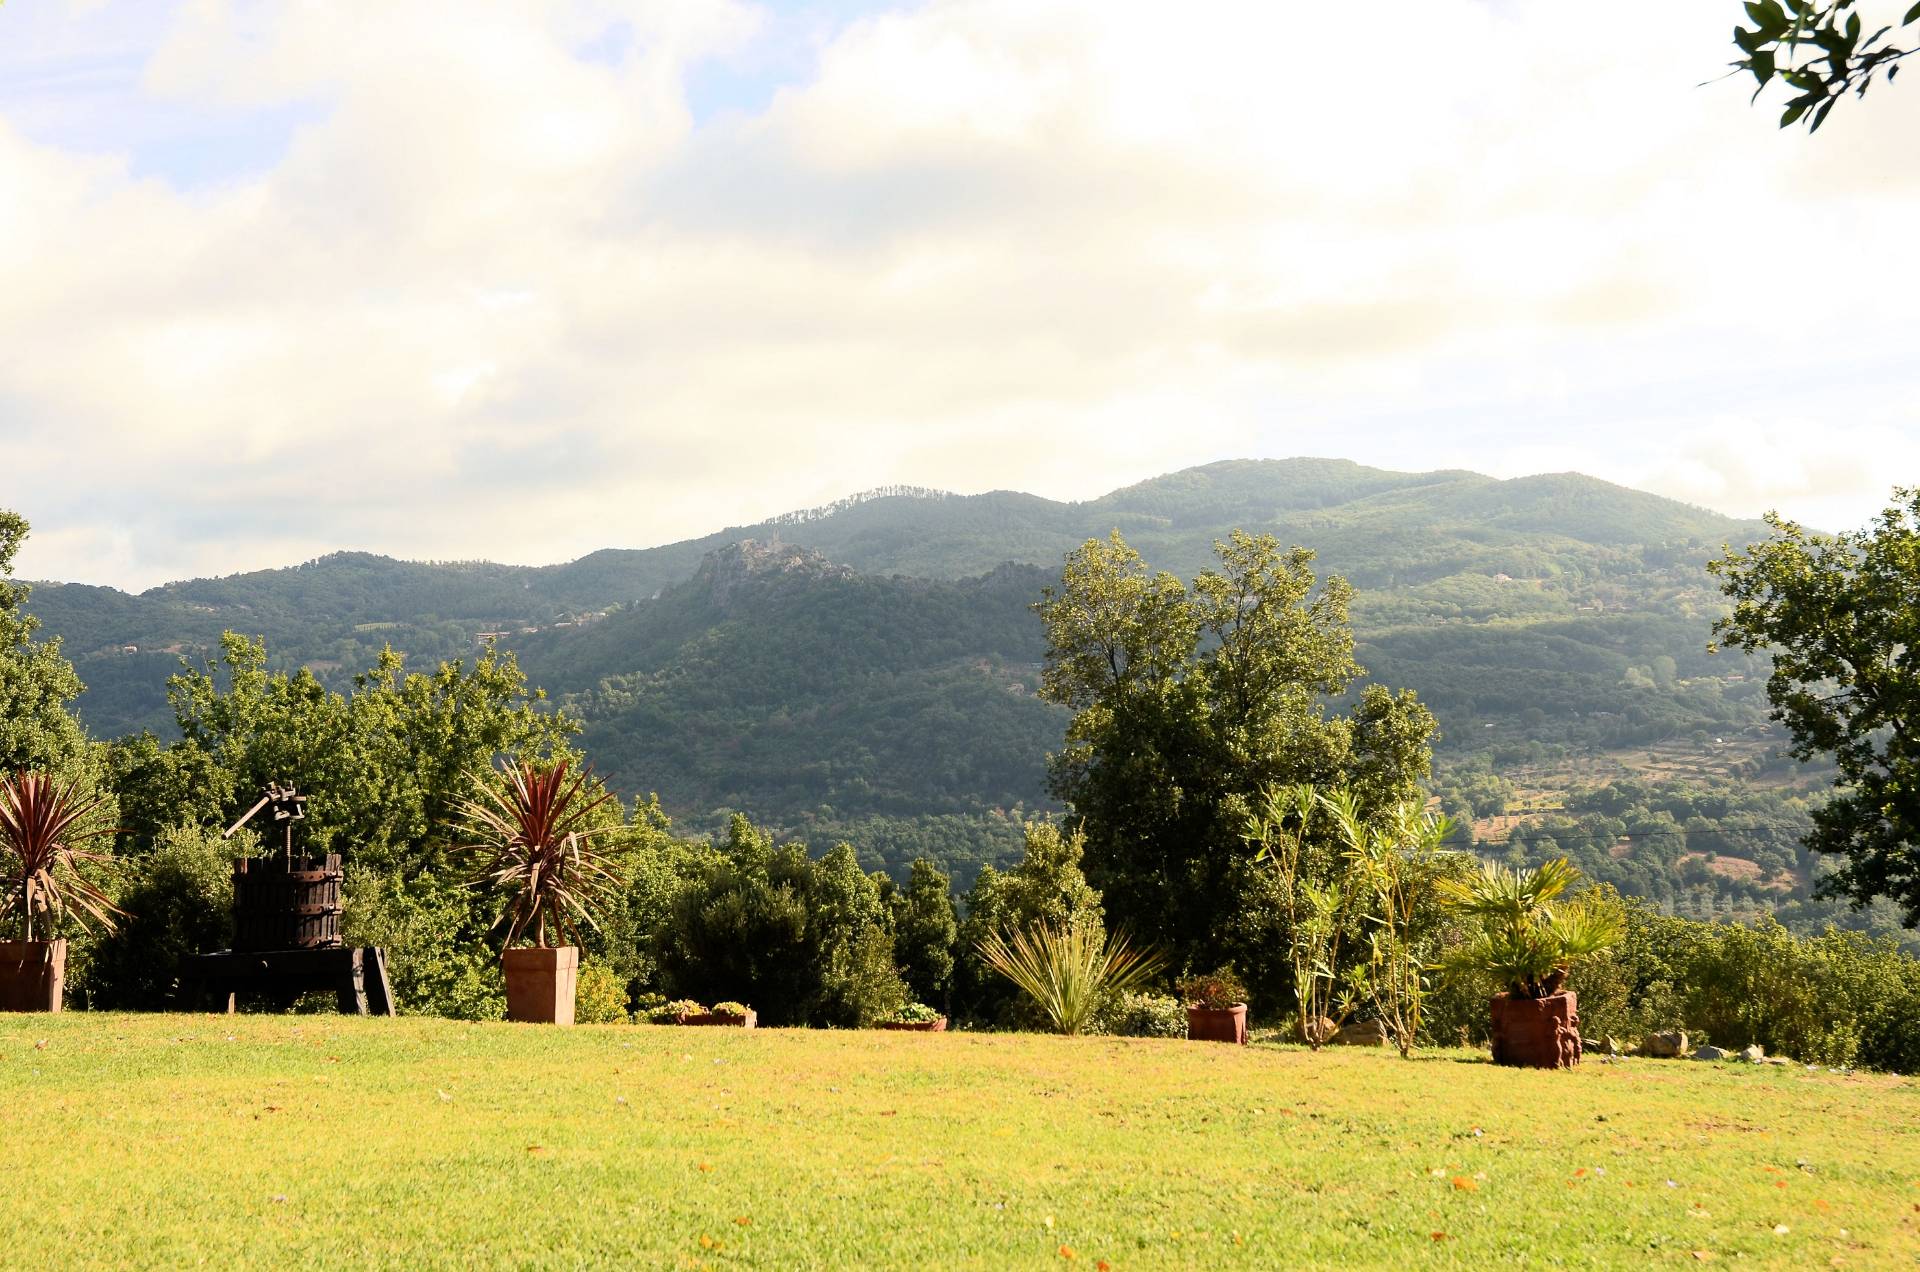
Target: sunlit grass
(324, 1141)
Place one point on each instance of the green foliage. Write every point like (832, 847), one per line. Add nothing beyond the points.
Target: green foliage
(924, 930)
(1215, 990)
(1837, 616)
(600, 996)
(1832, 998)
(38, 731)
(1141, 1015)
(438, 958)
(1188, 703)
(1046, 886)
(808, 939)
(179, 901)
(730, 1008)
(1820, 50)
(1527, 938)
(1068, 969)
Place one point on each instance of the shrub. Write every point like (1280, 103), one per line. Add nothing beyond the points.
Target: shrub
(1134, 1015)
(1214, 990)
(179, 899)
(1067, 970)
(599, 998)
(437, 959)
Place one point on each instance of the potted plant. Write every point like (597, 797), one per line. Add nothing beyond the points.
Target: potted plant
(677, 1012)
(537, 851)
(1216, 1007)
(915, 1017)
(737, 1015)
(1528, 940)
(42, 826)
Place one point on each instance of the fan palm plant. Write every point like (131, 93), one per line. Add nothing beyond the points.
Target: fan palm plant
(42, 828)
(1069, 969)
(1529, 938)
(534, 845)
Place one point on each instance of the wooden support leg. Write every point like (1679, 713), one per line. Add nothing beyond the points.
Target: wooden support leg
(351, 997)
(379, 992)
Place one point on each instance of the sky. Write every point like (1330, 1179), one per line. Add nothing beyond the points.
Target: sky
(478, 278)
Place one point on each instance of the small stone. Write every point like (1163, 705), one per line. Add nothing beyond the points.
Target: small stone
(1754, 1054)
(1710, 1053)
(1369, 1033)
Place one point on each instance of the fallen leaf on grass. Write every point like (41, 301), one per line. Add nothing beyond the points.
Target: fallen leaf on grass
(1066, 1252)
(1781, 1230)
(537, 1150)
(742, 1220)
(1704, 1255)
(1462, 1184)
(706, 1167)
(1438, 1236)
(444, 1097)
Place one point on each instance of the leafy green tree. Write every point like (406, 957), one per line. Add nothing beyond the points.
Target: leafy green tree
(1045, 888)
(924, 930)
(1820, 50)
(38, 730)
(1837, 614)
(1191, 701)
(801, 940)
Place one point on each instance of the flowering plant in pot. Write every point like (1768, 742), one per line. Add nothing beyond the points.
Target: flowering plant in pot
(42, 828)
(676, 1012)
(1216, 1007)
(536, 849)
(1528, 940)
(739, 1015)
(914, 1017)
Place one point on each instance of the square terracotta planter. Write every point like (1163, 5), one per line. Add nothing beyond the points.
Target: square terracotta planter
(1536, 1033)
(723, 1019)
(541, 983)
(1218, 1024)
(33, 975)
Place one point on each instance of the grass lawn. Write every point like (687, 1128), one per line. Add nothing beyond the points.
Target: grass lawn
(325, 1141)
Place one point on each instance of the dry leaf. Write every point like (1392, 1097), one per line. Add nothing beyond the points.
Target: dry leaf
(1462, 1184)
(1066, 1252)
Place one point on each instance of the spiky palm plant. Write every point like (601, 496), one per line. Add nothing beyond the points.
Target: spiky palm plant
(42, 825)
(1529, 938)
(1069, 969)
(530, 836)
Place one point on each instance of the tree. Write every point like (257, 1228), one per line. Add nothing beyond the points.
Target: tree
(38, 730)
(1818, 49)
(1190, 702)
(924, 930)
(1840, 616)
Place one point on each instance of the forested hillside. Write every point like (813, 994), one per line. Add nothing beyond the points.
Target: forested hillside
(867, 670)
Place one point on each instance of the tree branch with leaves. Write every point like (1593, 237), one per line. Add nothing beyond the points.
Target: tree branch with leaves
(1821, 52)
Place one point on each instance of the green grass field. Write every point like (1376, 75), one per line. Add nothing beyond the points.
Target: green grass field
(327, 1142)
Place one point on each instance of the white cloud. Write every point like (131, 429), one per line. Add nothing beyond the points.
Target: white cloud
(492, 297)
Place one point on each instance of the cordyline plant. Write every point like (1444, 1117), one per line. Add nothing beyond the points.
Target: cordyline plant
(42, 826)
(1528, 938)
(1070, 969)
(534, 846)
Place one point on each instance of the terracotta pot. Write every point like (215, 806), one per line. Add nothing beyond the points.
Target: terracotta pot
(33, 975)
(916, 1026)
(748, 1021)
(1218, 1024)
(541, 983)
(1536, 1033)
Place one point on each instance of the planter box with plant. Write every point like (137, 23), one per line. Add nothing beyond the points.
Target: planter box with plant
(532, 834)
(1528, 941)
(915, 1018)
(1216, 1007)
(42, 826)
(734, 1015)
